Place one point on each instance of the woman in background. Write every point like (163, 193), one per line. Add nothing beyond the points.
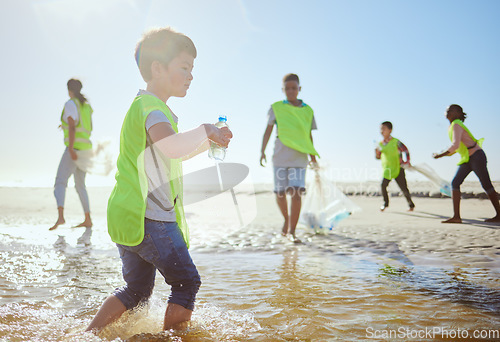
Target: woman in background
(472, 158)
(76, 122)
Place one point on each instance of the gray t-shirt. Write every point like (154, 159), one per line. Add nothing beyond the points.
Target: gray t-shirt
(285, 156)
(158, 206)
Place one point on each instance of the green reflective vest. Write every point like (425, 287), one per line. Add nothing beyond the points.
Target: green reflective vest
(390, 158)
(294, 126)
(127, 203)
(462, 149)
(83, 129)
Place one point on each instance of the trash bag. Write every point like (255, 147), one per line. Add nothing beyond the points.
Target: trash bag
(96, 161)
(324, 206)
(424, 169)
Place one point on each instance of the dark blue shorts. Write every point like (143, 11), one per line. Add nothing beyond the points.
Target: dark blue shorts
(162, 249)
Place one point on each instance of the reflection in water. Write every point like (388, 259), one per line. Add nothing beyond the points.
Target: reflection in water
(455, 285)
(296, 298)
(85, 238)
(256, 286)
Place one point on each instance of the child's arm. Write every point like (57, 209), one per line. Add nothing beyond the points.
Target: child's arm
(203, 147)
(265, 140)
(378, 153)
(179, 145)
(313, 157)
(404, 151)
(206, 144)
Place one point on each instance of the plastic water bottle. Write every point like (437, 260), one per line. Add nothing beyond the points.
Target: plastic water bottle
(339, 217)
(445, 188)
(215, 151)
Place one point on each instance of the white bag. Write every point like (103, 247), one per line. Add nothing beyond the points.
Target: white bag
(324, 206)
(443, 185)
(97, 161)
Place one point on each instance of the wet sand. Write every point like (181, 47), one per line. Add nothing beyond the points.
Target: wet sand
(419, 233)
(377, 270)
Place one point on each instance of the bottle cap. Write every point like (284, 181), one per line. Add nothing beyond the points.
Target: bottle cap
(222, 118)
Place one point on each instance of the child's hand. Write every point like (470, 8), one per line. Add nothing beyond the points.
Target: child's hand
(263, 158)
(220, 136)
(313, 164)
(227, 132)
(378, 154)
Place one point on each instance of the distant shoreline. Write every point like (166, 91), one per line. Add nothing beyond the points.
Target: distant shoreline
(471, 189)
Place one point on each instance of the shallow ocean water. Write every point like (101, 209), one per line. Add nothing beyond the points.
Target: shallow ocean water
(257, 286)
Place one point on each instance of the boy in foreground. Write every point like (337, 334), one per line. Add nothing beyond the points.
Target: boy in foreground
(145, 210)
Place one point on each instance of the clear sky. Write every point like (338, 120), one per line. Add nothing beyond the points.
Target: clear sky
(360, 62)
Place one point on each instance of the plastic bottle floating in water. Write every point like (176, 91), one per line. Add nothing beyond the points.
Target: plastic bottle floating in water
(215, 151)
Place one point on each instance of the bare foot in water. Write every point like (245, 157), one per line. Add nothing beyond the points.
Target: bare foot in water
(453, 220)
(58, 223)
(284, 230)
(87, 224)
(493, 219)
(294, 239)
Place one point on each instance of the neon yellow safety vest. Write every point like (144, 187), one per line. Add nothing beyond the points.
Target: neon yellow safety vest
(390, 159)
(83, 129)
(294, 126)
(127, 203)
(462, 149)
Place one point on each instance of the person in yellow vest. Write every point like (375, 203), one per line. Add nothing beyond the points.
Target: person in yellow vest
(472, 158)
(390, 151)
(295, 121)
(145, 209)
(76, 122)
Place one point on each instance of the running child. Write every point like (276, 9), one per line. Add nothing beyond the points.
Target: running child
(390, 151)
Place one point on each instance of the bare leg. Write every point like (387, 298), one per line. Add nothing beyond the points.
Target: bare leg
(87, 223)
(60, 218)
(455, 195)
(494, 200)
(176, 317)
(111, 309)
(283, 205)
(66, 168)
(295, 212)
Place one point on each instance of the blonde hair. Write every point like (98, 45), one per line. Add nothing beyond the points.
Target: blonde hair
(162, 45)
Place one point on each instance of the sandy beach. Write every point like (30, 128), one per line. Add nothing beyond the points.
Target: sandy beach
(419, 233)
(375, 271)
